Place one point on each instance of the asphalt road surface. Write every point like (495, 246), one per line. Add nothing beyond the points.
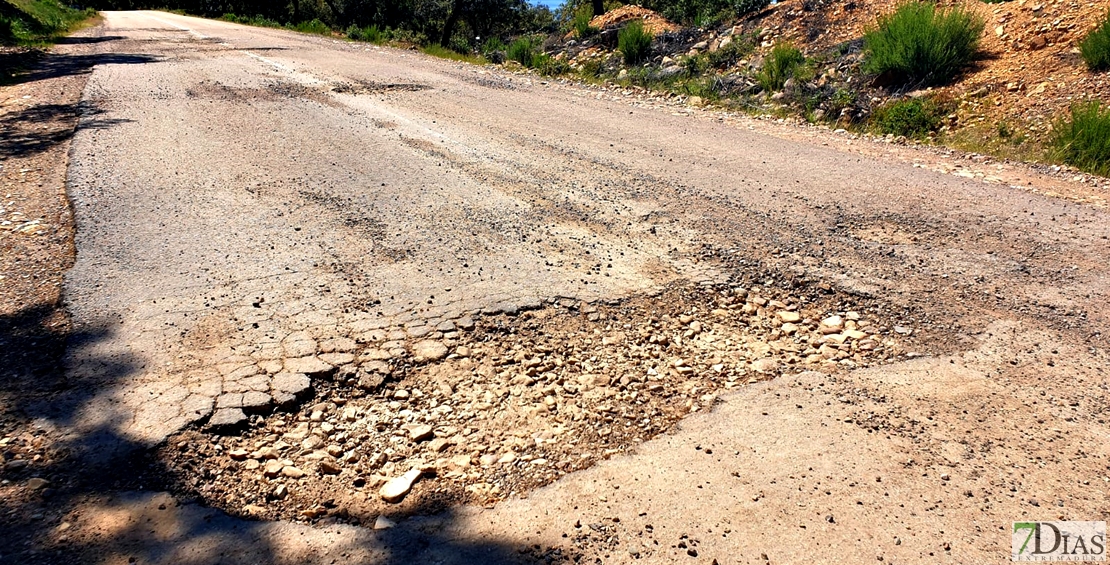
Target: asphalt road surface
(236, 186)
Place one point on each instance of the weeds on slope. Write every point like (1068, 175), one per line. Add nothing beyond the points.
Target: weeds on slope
(922, 43)
(37, 23)
(1083, 138)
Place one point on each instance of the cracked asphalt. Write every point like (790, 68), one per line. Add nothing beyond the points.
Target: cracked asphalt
(253, 204)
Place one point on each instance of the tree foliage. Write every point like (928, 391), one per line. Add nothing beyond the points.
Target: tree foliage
(448, 22)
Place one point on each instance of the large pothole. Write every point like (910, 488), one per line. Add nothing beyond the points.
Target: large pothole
(522, 400)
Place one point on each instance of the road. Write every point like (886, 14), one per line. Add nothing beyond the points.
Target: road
(237, 189)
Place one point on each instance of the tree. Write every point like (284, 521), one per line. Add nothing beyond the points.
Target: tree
(483, 16)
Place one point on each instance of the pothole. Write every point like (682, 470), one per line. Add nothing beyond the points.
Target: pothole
(521, 401)
(371, 87)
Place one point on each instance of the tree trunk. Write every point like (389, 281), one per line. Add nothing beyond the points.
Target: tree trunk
(449, 25)
(296, 11)
(599, 7)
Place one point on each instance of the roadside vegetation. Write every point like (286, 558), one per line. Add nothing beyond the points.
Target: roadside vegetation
(1095, 48)
(34, 23)
(634, 42)
(1083, 137)
(921, 43)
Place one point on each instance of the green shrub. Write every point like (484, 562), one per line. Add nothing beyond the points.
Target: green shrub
(780, 64)
(1095, 48)
(523, 51)
(582, 27)
(634, 42)
(493, 44)
(922, 43)
(730, 54)
(313, 26)
(371, 34)
(1083, 139)
(549, 66)
(911, 117)
(591, 68)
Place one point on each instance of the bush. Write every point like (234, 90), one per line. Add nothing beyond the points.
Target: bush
(582, 27)
(779, 66)
(591, 68)
(634, 42)
(1084, 139)
(921, 43)
(911, 117)
(549, 66)
(523, 51)
(1095, 48)
(730, 54)
(313, 26)
(371, 34)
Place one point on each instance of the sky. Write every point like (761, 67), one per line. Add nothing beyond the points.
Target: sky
(549, 3)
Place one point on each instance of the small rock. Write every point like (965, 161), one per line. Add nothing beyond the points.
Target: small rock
(383, 523)
(395, 489)
(281, 492)
(272, 469)
(790, 317)
(267, 452)
(428, 350)
(765, 365)
(438, 444)
(238, 454)
(832, 325)
(329, 467)
(370, 380)
(459, 462)
(292, 472)
(37, 483)
(420, 432)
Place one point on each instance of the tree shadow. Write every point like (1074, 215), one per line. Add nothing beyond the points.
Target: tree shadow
(87, 40)
(27, 131)
(18, 67)
(95, 474)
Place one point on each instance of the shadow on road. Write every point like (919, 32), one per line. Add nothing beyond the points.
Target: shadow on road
(87, 40)
(29, 130)
(20, 67)
(94, 475)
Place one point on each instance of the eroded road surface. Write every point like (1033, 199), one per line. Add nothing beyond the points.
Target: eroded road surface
(306, 266)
